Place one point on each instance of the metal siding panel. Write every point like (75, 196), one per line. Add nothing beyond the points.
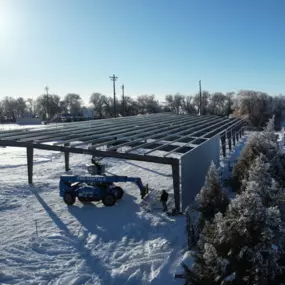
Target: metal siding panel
(194, 167)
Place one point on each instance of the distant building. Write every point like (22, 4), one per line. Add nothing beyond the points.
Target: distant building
(87, 113)
(66, 117)
(29, 119)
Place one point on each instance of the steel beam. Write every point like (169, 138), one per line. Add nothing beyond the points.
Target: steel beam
(67, 127)
(161, 160)
(76, 125)
(116, 129)
(50, 133)
(192, 141)
(136, 132)
(138, 137)
(127, 156)
(220, 127)
(155, 133)
(167, 136)
(3, 133)
(132, 133)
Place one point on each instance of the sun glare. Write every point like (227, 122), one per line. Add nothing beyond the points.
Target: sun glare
(3, 29)
(5, 20)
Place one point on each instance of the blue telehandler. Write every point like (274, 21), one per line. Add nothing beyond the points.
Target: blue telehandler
(96, 188)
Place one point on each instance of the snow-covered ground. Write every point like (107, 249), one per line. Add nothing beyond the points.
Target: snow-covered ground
(43, 241)
(5, 127)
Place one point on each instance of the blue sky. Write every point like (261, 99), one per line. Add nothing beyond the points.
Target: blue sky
(154, 46)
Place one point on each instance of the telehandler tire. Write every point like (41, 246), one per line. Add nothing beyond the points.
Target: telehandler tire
(69, 198)
(118, 192)
(109, 199)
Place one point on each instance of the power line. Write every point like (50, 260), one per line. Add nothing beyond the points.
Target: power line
(114, 78)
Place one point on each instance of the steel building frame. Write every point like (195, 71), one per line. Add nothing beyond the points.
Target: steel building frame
(122, 137)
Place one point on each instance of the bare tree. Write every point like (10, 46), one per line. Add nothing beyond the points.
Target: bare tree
(230, 102)
(148, 104)
(30, 106)
(170, 102)
(98, 101)
(218, 104)
(204, 102)
(48, 106)
(188, 105)
(254, 106)
(21, 106)
(63, 106)
(175, 102)
(10, 107)
(131, 106)
(2, 112)
(73, 103)
(108, 106)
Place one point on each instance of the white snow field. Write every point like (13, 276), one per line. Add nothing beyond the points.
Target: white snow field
(44, 241)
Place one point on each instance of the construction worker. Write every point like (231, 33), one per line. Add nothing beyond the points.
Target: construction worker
(98, 165)
(144, 191)
(163, 200)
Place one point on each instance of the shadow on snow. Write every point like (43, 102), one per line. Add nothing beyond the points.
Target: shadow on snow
(111, 223)
(92, 262)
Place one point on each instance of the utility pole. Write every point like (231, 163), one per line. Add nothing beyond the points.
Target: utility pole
(46, 88)
(200, 98)
(123, 97)
(114, 79)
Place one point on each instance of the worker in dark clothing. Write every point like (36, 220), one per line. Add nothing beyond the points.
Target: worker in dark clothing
(98, 165)
(163, 200)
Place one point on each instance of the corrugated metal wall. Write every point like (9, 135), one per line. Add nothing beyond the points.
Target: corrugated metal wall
(194, 167)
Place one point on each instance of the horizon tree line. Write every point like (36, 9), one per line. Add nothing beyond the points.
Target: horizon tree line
(254, 106)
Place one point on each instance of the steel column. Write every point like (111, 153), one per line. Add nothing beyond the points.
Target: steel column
(176, 184)
(237, 135)
(223, 142)
(233, 134)
(229, 140)
(66, 157)
(30, 160)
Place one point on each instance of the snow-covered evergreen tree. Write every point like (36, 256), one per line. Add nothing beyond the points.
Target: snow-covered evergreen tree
(277, 167)
(269, 131)
(265, 185)
(257, 144)
(243, 246)
(262, 143)
(259, 171)
(246, 244)
(212, 199)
